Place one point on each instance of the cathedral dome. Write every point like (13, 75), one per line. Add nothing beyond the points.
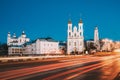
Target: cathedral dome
(80, 21)
(8, 32)
(14, 35)
(96, 28)
(23, 33)
(69, 22)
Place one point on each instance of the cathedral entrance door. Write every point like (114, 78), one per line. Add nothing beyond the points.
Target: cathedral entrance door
(75, 50)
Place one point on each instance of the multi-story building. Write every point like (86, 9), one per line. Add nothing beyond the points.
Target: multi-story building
(107, 45)
(42, 46)
(75, 38)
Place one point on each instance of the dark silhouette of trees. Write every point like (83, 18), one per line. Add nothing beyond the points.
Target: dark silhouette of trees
(3, 49)
(92, 46)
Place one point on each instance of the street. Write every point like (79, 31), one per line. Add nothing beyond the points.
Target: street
(78, 68)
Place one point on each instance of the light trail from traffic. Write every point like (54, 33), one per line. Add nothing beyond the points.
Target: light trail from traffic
(28, 71)
(90, 69)
(86, 69)
(73, 65)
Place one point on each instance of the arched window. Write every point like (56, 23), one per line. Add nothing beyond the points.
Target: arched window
(80, 34)
(80, 27)
(69, 33)
(69, 28)
(75, 34)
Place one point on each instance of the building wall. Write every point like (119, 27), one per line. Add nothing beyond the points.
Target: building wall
(42, 47)
(28, 49)
(15, 50)
(107, 45)
(48, 47)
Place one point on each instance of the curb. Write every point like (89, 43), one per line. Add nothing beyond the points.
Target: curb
(27, 59)
(32, 58)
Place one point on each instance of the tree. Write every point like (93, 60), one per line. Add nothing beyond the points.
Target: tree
(3, 49)
(92, 46)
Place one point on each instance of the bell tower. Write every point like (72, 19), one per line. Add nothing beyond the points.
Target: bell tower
(96, 38)
(8, 38)
(80, 28)
(23, 34)
(69, 28)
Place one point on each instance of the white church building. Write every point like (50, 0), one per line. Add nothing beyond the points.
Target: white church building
(15, 44)
(14, 40)
(75, 38)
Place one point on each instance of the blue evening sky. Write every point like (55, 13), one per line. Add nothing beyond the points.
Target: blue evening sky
(42, 18)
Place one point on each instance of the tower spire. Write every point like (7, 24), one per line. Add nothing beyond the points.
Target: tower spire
(69, 21)
(96, 35)
(80, 21)
(9, 34)
(23, 32)
(96, 38)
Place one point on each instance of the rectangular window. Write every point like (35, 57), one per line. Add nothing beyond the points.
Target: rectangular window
(69, 43)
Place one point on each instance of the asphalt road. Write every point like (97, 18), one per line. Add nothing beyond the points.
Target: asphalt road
(75, 68)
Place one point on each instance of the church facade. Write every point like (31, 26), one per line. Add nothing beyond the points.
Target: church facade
(17, 41)
(75, 38)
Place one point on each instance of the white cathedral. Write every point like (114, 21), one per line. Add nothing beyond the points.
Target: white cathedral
(15, 44)
(75, 38)
(17, 41)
